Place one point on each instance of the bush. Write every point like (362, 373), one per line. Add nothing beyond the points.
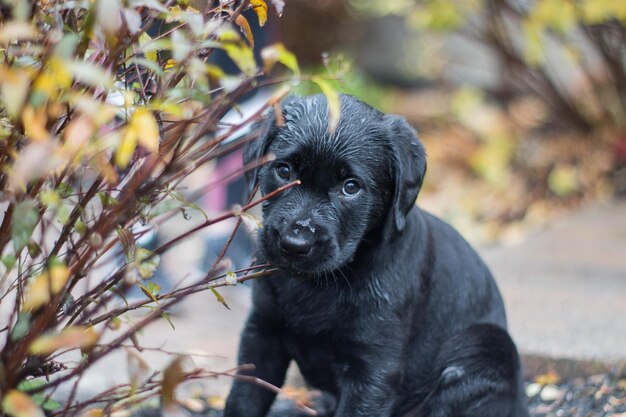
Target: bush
(106, 107)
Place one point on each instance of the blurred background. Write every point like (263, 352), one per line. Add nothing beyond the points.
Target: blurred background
(521, 104)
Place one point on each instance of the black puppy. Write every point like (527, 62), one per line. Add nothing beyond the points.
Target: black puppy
(379, 303)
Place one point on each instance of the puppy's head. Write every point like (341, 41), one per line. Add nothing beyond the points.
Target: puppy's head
(363, 177)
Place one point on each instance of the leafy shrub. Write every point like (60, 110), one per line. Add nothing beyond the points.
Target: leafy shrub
(100, 124)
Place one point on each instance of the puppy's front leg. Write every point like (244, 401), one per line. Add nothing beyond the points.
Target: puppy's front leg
(368, 388)
(261, 346)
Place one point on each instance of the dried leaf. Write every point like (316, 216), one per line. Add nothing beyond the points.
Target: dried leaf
(251, 222)
(279, 5)
(128, 242)
(13, 31)
(172, 376)
(332, 98)
(14, 90)
(244, 26)
(77, 134)
(109, 16)
(71, 337)
(94, 412)
(35, 161)
(138, 369)
(17, 404)
(34, 122)
(260, 8)
(49, 282)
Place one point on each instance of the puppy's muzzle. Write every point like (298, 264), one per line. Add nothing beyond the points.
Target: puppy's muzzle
(296, 240)
(295, 245)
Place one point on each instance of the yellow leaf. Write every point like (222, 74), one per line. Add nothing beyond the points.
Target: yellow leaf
(277, 53)
(54, 78)
(146, 129)
(244, 26)
(564, 180)
(71, 337)
(94, 412)
(533, 43)
(169, 64)
(238, 51)
(597, 11)
(49, 282)
(549, 378)
(17, 404)
(147, 292)
(260, 8)
(126, 148)
(334, 105)
(35, 123)
(145, 39)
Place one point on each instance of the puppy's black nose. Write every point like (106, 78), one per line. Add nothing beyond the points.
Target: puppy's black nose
(295, 245)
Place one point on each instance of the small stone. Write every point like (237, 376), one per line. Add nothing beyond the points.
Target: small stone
(550, 393)
(532, 390)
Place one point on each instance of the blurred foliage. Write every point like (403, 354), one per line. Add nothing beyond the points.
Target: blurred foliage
(106, 107)
(546, 133)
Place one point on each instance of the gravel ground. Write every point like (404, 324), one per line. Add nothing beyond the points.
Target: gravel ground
(601, 395)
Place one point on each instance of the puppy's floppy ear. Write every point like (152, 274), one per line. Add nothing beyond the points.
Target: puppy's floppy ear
(408, 169)
(257, 148)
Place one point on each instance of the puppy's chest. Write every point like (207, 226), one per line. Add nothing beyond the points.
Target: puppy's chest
(313, 311)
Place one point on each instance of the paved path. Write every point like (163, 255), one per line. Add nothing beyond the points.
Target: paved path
(564, 288)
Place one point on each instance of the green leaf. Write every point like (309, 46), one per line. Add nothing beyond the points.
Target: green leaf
(25, 217)
(334, 105)
(154, 288)
(9, 261)
(220, 298)
(40, 399)
(50, 198)
(21, 327)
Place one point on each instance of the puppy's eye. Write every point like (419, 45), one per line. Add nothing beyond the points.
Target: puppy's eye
(283, 171)
(351, 187)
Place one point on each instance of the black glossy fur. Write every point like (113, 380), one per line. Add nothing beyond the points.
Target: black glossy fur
(379, 303)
